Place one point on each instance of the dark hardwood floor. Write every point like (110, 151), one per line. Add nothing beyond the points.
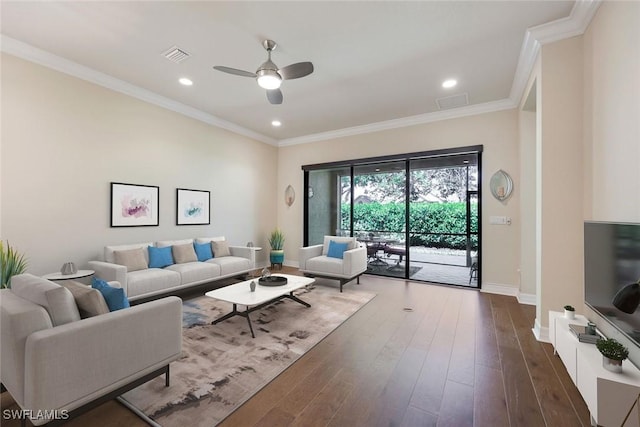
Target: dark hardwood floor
(416, 355)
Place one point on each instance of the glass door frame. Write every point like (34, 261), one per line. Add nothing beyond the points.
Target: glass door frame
(407, 157)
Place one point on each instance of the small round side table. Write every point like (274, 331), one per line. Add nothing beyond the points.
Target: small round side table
(77, 275)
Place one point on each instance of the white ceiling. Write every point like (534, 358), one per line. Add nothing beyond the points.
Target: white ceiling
(374, 61)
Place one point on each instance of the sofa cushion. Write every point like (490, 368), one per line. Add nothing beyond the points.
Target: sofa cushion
(203, 251)
(326, 264)
(151, 280)
(336, 250)
(133, 259)
(184, 253)
(56, 299)
(160, 257)
(192, 272)
(353, 243)
(90, 301)
(220, 248)
(230, 265)
(114, 297)
(109, 251)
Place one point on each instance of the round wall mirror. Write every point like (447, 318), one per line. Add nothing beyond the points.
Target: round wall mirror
(501, 185)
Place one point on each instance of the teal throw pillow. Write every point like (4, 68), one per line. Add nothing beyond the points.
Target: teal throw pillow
(114, 297)
(336, 249)
(160, 257)
(203, 251)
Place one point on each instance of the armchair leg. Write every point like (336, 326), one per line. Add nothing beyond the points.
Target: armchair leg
(166, 377)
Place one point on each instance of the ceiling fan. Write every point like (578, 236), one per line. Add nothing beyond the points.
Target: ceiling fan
(269, 76)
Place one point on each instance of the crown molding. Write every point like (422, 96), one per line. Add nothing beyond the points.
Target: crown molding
(471, 110)
(574, 25)
(30, 53)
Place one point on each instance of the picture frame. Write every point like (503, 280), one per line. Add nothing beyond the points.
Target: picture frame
(134, 205)
(193, 207)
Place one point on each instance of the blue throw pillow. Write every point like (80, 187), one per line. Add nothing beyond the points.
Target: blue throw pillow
(203, 251)
(336, 249)
(114, 297)
(160, 257)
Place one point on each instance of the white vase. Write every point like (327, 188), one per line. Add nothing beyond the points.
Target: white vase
(569, 314)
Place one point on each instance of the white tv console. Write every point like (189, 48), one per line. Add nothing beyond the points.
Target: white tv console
(608, 395)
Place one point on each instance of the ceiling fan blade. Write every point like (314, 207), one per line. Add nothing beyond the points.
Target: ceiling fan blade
(234, 71)
(274, 96)
(295, 71)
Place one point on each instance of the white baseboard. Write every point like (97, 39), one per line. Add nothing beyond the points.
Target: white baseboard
(494, 288)
(541, 333)
(529, 299)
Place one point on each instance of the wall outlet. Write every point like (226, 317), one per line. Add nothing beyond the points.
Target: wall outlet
(499, 220)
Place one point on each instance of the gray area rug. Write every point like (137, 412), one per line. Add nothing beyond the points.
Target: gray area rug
(391, 271)
(222, 366)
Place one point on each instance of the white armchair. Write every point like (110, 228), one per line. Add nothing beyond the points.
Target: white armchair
(316, 262)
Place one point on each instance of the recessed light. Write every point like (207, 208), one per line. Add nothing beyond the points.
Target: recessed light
(276, 123)
(185, 81)
(447, 84)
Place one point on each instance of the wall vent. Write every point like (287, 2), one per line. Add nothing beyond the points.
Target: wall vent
(175, 54)
(454, 101)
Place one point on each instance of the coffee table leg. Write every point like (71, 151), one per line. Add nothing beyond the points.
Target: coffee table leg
(249, 321)
(296, 299)
(234, 312)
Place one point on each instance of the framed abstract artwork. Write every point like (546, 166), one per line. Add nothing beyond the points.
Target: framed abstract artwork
(134, 205)
(192, 207)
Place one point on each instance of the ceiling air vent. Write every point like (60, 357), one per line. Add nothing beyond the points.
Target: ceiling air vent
(175, 54)
(454, 101)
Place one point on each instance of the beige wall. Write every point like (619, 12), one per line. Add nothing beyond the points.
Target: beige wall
(612, 123)
(498, 133)
(561, 168)
(612, 112)
(64, 140)
(527, 129)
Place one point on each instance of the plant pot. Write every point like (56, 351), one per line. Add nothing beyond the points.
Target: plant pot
(276, 257)
(568, 314)
(611, 364)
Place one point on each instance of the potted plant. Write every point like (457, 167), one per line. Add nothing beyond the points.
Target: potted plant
(276, 241)
(11, 262)
(569, 312)
(613, 353)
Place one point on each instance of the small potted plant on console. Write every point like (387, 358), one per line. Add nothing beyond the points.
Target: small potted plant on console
(613, 353)
(569, 312)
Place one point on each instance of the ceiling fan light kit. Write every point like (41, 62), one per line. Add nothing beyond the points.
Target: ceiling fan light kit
(269, 76)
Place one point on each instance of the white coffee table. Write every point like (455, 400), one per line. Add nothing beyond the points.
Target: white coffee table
(240, 294)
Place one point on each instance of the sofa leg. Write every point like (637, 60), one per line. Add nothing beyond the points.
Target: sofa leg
(358, 280)
(166, 377)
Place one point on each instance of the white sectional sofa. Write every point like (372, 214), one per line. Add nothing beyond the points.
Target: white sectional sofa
(55, 363)
(142, 281)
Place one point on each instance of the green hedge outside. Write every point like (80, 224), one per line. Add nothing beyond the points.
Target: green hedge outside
(424, 217)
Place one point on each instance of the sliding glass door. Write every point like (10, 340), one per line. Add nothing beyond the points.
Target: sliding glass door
(418, 214)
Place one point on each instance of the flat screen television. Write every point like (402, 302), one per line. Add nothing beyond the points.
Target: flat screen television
(612, 262)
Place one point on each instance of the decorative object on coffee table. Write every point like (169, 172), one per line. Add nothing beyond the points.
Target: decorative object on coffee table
(252, 286)
(276, 241)
(569, 312)
(12, 262)
(613, 353)
(272, 281)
